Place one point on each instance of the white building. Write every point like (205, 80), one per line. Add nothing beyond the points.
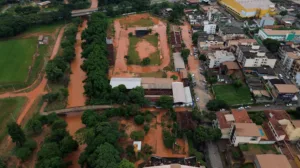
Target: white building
(219, 57)
(241, 133)
(288, 55)
(181, 95)
(280, 35)
(209, 28)
(255, 56)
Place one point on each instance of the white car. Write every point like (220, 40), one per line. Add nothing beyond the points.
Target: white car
(241, 108)
(289, 105)
(267, 105)
(197, 99)
(222, 109)
(247, 107)
(193, 75)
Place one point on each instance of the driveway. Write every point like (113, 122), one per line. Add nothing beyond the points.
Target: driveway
(214, 155)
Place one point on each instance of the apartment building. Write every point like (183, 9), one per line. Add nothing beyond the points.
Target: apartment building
(209, 28)
(208, 42)
(280, 35)
(255, 56)
(231, 32)
(244, 133)
(295, 68)
(218, 57)
(284, 93)
(288, 56)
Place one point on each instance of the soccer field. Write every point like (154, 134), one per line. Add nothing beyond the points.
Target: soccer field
(15, 58)
(231, 95)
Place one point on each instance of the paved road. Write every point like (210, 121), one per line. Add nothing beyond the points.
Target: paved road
(214, 155)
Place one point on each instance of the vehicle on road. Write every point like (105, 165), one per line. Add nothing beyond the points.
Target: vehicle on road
(267, 105)
(197, 99)
(247, 107)
(289, 105)
(241, 108)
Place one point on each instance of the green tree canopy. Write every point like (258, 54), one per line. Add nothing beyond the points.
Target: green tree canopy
(16, 133)
(139, 119)
(215, 105)
(126, 164)
(271, 44)
(165, 102)
(185, 54)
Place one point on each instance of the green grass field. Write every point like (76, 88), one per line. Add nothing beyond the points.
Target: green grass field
(231, 95)
(16, 57)
(133, 54)
(10, 109)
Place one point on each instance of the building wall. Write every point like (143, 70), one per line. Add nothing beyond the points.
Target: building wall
(292, 132)
(210, 28)
(242, 139)
(225, 133)
(277, 137)
(215, 62)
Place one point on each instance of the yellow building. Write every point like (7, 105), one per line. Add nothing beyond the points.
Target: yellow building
(249, 8)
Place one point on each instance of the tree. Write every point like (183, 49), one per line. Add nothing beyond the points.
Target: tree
(2, 164)
(283, 13)
(34, 125)
(237, 84)
(23, 153)
(202, 57)
(16, 133)
(53, 72)
(59, 124)
(130, 34)
(185, 54)
(203, 134)
(126, 164)
(174, 77)
(298, 15)
(55, 162)
(137, 96)
(89, 118)
(139, 119)
(68, 145)
(146, 61)
(215, 105)
(146, 128)
(51, 118)
(271, 44)
(195, 37)
(147, 149)
(137, 135)
(105, 156)
(49, 150)
(165, 102)
(168, 139)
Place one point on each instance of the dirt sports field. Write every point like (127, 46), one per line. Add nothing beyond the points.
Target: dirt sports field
(155, 45)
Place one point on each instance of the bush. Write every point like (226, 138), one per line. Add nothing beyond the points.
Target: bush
(23, 153)
(139, 119)
(137, 135)
(236, 155)
(146, 128)
(174, 77)
(215, 105)
(146, 61)
(148, 117)
(168, 139)
(130, 34)
(147, 149)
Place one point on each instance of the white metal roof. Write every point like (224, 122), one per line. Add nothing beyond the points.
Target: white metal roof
(130, 83)
(188, 95)
(178, 61)
(249, 4)
(178, 92)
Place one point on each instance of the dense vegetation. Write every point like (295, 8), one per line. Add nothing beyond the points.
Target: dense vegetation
(11, 25)
(118, 7)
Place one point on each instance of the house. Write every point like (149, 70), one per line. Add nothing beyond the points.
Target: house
(178, 61)
(193, 2)
(285, 93)
(266, 21)
(271, 161)
(288, 55)
(141, 31)
(280, 35)
(137, 145)
(43, 4)
(231, 32)
(288, 20)
(255, 56)
(209, 28)
(225, 120)
(295, 68)
(275, 117)
(244, 133)
(263, 71)
(181, 95)
(241, 42)
(228, 68)
(219, 57)
(208, 42)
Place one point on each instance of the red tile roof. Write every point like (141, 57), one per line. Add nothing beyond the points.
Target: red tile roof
(241, 116)
(222, 120)
(277, 114)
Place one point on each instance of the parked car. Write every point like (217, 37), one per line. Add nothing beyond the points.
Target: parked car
(267, 105)
(289, 105)
(197, 99)
(241, 108)
(247, 107)
(222, 110)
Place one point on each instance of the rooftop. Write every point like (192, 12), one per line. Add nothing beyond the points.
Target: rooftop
(287, 48)
(241, 116)
(257, 48)
(273, 161)
(231, 30)
(178, 61)
(277, 81)
(178, 92)
(129, 83)
(277, 114)
(280, 32)
(156, 83)
(296, 123)
(209, 37)
(286, 88)
(223, 123)
(277, 127)
(261, 4)
(247, 129)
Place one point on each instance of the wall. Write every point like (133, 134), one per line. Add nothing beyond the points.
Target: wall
(242, 139)
(225, 133)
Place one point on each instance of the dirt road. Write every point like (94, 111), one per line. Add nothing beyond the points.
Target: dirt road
(76, 91)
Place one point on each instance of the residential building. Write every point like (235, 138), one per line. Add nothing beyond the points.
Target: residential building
(266, 21)
(225, 120)
(244, 133)
(285, 93)
(219, 57)
(178, 61)
(280, 35)
(288, 55)
(297, 78)
(181, 95)
(255, 56)
(209, 28)
(295, 69)
(231, 32)
(247, 9)
(271, 161)
(228, 68)
(208, 42)
(193, 2)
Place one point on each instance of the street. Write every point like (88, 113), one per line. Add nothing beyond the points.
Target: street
(214, 155)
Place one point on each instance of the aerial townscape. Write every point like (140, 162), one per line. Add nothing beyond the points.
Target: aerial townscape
(150, 84)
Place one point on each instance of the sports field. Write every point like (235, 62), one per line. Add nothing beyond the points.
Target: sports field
(10, 109)
(231, 95)
(15, 59)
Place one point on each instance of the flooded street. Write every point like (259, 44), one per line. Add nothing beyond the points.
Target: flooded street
(76, 90)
